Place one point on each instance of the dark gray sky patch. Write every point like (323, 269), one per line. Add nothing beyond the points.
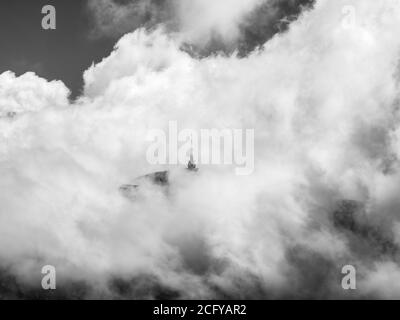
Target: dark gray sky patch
(61, 54)
(267, 20)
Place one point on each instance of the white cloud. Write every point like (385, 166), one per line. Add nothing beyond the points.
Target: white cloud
(196, 20)
(30, 93)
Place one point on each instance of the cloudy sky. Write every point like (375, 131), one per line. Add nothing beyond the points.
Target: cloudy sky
(61, 54)
(87, 30)
(317, 81)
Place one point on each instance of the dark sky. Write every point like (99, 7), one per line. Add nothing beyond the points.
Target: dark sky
(61, 54)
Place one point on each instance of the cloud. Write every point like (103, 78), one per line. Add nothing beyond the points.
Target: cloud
(205, 27)
(199, 19)
(323, 100)
(195, 19)
(113, 18)
(30, 93)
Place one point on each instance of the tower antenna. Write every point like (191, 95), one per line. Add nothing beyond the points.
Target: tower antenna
(191, 164)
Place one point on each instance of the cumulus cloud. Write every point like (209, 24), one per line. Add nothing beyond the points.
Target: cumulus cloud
(205, 27)
(30, 93)
(113, 18)
(323, 100)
